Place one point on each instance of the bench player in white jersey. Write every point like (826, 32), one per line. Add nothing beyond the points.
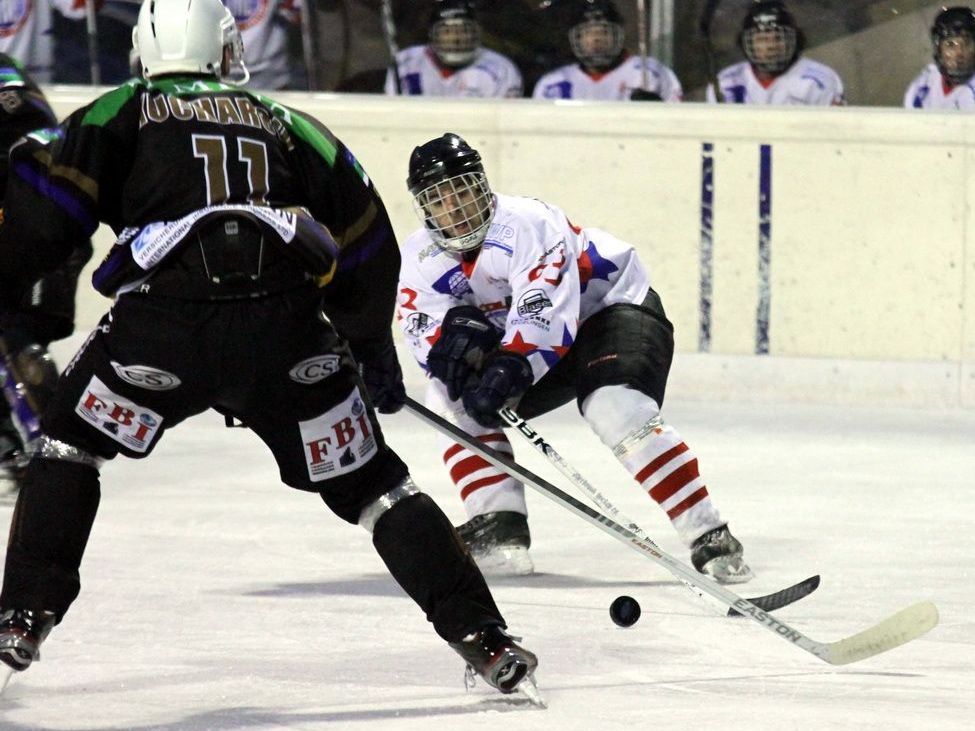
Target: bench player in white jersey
(454, 63)
(775, 71)
(947, 83)
(504, 301)
(604, 69)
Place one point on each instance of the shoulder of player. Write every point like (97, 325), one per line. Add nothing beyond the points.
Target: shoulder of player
(487, 56)
(734, 72)
(817, 71)
(560, 73)
(651, 64)
(109, 105)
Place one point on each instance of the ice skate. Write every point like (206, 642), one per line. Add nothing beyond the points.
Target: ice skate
(21, 633)
(718, 554)
(494, 655)
(499, 543)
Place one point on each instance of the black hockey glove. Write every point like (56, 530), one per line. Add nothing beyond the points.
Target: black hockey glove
(380, 371)
(466, 337)
(504, 380)
(642, 95)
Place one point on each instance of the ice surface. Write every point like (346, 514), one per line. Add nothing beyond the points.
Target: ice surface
(215, 598)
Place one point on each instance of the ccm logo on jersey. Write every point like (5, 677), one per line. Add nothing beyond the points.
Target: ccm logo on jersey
(532, 302)
(146, 377)
(338, 441)
(129, 424)
(313, 370)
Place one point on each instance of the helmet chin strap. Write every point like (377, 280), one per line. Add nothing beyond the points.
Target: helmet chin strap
(244, 77)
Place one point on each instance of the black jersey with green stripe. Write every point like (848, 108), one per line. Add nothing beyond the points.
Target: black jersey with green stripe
(22, 108)
(157, 151)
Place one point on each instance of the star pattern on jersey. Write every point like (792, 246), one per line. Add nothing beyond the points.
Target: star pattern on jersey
(551, 355)
(593, 266)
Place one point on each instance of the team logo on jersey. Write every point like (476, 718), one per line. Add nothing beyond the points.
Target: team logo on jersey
(533, 302)
(128, 423)
(338, 441)
(248, 13)
(418, 323)
(146, 377)
(13, 15)
(453, 282)
(313, 370)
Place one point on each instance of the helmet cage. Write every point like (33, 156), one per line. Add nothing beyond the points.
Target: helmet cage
(457, 211)
(955, 28)
(770, 47)
(456, 40)
(608, 38)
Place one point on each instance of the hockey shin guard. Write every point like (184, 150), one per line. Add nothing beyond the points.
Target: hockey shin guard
(51, 524)
(420, 548)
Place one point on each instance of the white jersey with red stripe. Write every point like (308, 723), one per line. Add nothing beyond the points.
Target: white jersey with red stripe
(491, 75)
(806, 82)
(537, 278)
(572, 82)
(929, 91)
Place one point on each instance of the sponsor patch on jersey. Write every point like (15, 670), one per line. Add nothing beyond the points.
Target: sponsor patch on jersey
(128, 423)
(146, 377)
(418, 323)
(314, 370)
(338, 441)
(533, 302)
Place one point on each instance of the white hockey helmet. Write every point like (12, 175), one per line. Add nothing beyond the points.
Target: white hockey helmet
(187, 36)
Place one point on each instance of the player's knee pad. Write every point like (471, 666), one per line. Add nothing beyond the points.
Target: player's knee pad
(58, 451)
(378, 507)
(612, 411)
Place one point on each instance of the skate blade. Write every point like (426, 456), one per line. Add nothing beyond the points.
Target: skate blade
(729, 570)
(529, 688)
(506, 561)
(5, 672)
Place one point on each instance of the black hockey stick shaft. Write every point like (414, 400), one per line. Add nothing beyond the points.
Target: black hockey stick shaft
(707, 15)
(902, 627)
(776, 600)
(389, 34)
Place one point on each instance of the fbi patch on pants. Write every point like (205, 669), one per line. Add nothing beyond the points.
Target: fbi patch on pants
(338, 441)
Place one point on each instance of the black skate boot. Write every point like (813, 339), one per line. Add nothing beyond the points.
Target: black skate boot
(21, 633)
(493, 654)
(499, 543)
(718, 554)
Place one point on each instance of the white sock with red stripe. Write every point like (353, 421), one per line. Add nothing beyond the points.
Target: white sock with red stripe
(653, 452)
(483, 487)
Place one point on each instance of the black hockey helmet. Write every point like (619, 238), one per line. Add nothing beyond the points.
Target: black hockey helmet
(954, 24)
(775, 25)
(450, 191)
(454, 32)
(596, 33)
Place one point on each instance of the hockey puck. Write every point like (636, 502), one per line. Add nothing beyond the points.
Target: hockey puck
(624, 611)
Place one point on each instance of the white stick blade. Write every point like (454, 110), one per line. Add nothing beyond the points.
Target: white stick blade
(908, 624)
(5, 672)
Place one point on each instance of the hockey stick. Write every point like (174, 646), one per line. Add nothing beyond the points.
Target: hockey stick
(906, 625)
(707, 15)
(643, 41)
(389, 33)
(307, 19)
(91, 25)
(767, 603)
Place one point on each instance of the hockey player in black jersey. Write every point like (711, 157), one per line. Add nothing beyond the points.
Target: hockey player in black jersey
(238, 221)
(27, 372)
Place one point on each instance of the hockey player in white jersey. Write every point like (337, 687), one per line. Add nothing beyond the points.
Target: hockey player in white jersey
(604, 69)
(264, 27)
(454, 63)
(947, 83)
(775, 71)
(504, 301)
